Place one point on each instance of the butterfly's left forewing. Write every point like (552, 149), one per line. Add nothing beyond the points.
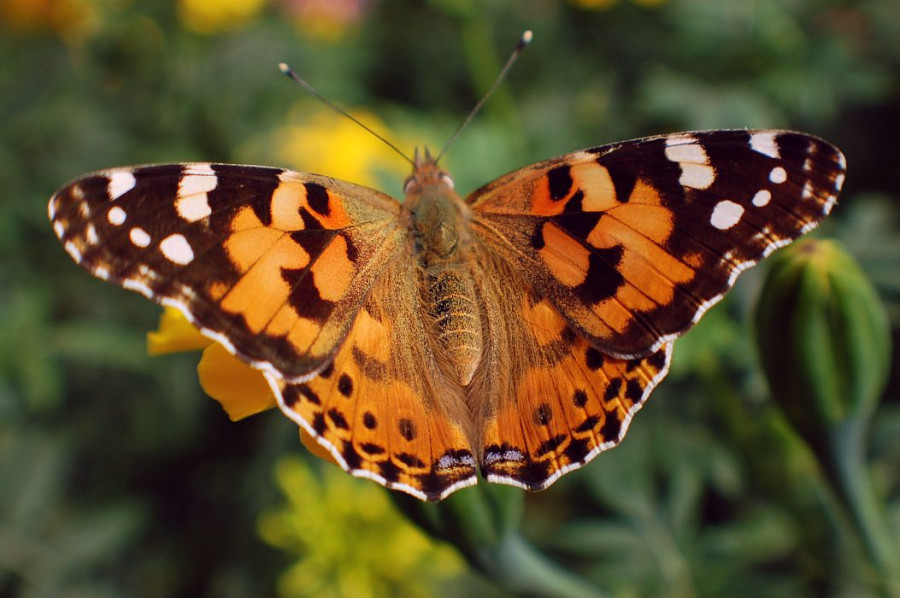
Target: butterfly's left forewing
(272, 263)
(633, 242)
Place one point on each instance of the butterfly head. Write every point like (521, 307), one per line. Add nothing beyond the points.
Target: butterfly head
(426, 173)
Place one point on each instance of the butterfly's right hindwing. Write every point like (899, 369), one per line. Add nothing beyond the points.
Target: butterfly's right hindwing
(272, 263)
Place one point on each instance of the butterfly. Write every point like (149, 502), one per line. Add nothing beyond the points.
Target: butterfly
(515, 332)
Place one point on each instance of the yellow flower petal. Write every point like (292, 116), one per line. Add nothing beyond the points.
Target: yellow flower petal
(315, 448)
(174, 334)
(241, 390)
(333, 144)
(213, 16)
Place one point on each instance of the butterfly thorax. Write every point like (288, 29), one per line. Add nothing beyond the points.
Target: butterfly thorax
(440, 241)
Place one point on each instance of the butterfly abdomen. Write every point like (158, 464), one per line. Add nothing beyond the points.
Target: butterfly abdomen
(448, 295)
(439, 227)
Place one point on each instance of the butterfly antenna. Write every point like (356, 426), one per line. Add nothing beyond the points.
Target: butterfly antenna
(312, 90)
(523, 43)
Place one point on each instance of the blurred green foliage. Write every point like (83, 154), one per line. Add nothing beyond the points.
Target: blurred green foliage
(119, 478)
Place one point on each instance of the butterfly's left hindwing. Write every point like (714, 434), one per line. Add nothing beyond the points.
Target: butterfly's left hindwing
(634, 241)
(272, 263)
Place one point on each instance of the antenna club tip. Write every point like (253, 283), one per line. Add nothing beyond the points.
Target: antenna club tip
(284, 68)
(526, 38)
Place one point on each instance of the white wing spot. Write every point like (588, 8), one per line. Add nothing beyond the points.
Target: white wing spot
(177, 249)
(726, 214)
(762, 197)
(778, 175)
(116, 216)
(807, 190)
(839, 182)
(91, 232)
(59, 229)
(101, 272)
(199, 168)
(697, 176)
(73, 250)
(692, 153)
(764, 143)
(696, 172)
(139, 286)
(139, 237)
(193, 207)
(120, 183)
(680, 138)
(198, 178)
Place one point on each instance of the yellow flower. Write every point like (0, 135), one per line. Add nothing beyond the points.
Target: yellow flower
(241, 390)
(174, 334)
(214, 16)
(349, 540)
(331, 144)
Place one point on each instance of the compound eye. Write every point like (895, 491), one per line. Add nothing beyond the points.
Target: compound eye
(408, 184)
(447, 180)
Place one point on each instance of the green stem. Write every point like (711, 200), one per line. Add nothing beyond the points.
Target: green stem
(518, 567)
(482, 523)
(848, 473)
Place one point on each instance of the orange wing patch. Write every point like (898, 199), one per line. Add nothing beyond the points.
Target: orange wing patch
(297, 273)
(272, 263)
(668, 222)
(563, 416)
(555, 400)
(566, 258)
(260, 254)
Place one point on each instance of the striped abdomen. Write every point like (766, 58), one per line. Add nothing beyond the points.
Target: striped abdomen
(450, 302)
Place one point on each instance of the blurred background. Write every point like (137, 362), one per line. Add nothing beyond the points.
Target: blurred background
(119, 477)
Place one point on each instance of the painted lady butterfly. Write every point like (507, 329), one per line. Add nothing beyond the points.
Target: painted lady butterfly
(517, 331)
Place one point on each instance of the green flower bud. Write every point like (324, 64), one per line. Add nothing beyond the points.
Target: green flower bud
(823, 338)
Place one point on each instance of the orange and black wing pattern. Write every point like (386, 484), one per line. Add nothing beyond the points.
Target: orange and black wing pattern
(272, 263)
(632, 242)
